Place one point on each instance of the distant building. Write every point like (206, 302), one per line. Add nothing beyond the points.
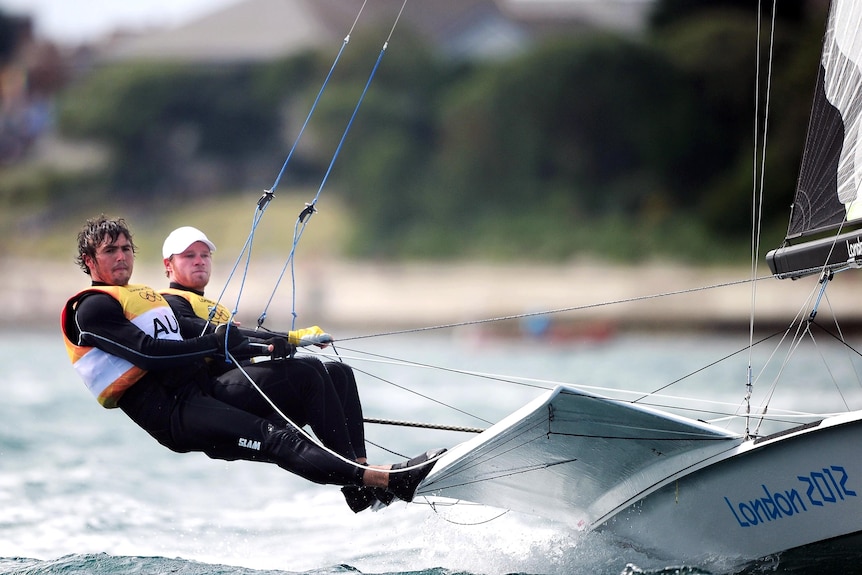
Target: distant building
(254, 30)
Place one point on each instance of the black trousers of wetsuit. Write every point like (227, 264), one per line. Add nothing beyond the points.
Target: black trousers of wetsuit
(303, 390)
(345, 386)
(186, 418)
(344, 382)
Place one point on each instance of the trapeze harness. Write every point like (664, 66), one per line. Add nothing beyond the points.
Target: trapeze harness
(108, 376)
(202, 306)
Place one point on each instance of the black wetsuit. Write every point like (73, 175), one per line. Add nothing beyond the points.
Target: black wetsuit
(175, 403)
(307, 390)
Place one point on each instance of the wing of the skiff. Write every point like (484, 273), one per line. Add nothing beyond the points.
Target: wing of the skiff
(575, 457)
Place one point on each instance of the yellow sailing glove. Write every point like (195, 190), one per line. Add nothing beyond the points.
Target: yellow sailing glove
(309, 336)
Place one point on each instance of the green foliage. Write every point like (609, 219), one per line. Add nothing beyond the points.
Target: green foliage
(592, 127)
(159, 119)
(591, 144)
(36, 189)
(384, 154)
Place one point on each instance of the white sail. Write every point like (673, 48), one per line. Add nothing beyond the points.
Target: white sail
(842, 57)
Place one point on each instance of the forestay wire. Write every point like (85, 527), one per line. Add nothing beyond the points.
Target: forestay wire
(757, 189)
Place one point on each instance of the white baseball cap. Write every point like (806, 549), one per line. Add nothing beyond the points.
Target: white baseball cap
(180, 239)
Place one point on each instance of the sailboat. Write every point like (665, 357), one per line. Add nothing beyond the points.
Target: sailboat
(691, 490)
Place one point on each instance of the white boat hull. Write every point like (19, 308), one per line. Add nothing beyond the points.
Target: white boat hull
(764, 498)
(676, 488)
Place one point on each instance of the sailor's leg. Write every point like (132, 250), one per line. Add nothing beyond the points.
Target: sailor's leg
(222, 431)
(299, 391)
(344, 382)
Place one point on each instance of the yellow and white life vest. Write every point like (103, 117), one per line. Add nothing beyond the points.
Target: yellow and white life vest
(108, 376)
(202, 306)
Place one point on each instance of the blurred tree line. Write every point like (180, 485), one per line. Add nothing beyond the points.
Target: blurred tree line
(594, 144)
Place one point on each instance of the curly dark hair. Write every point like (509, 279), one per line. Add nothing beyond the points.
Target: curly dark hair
(96, 232)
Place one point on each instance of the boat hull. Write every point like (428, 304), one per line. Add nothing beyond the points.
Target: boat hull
(765, 498)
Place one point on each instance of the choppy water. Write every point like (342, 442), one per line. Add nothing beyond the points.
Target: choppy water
(83, 490)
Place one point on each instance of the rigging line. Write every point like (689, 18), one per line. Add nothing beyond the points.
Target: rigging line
(548, 384)
(626, 438)
(510, 473)
(490, 376)
(704, 368)
(397, 18)
(754, 172)
(439, 368)
(250, 242)
(508, 446)
(840, 337)
(541, 384)
(308, 436)
(557, 310)
(386, 449)
(246, 249)
(268, 195)
(801, 327)
(797, 320)
(302, 219)
(423, 425)
(544, 384)
(776, 412)
(757, 196)
(260, 208)
(784, 420)
(310, 208)
(423, 396)
(289, 421)
(828, 369)
(795, 341)
(447, 501)
(435, 504)
(317, 99)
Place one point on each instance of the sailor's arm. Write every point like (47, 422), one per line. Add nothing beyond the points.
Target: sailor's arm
(102, 324)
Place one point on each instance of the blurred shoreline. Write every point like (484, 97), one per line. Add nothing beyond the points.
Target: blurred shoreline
(589, 300)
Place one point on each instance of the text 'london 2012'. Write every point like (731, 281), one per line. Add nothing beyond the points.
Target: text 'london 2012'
(817, 489)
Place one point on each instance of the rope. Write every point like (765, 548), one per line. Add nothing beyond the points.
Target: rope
(557, 310)
(305, 434)
(424, 425)
(317, 99)
(310, 209)
(269, 194)
(757, 199)
(704, 368)
(435, 505)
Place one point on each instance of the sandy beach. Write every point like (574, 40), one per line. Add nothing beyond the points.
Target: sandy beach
(369, 297)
